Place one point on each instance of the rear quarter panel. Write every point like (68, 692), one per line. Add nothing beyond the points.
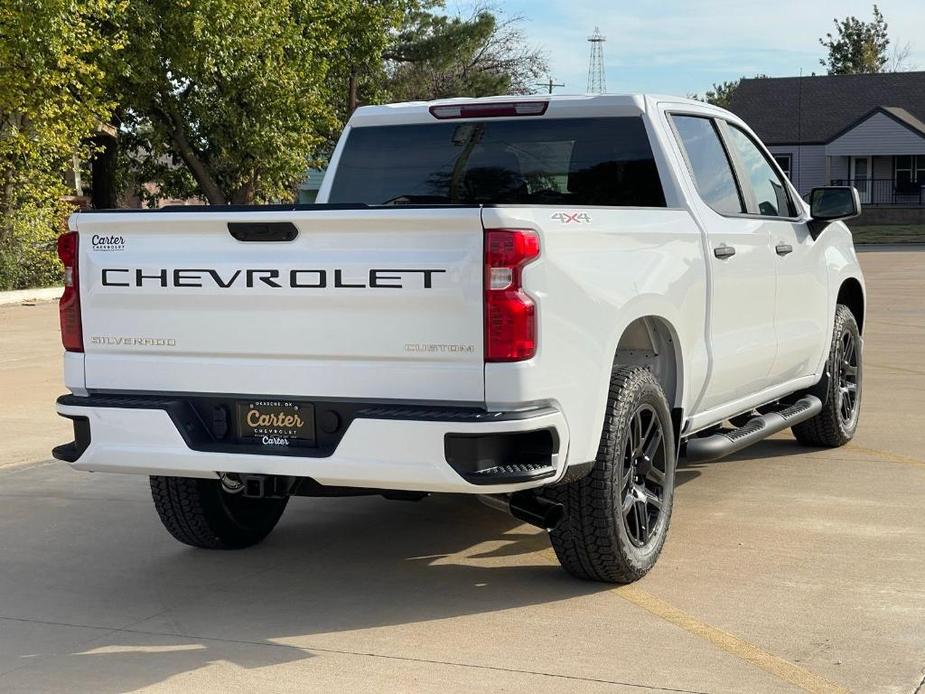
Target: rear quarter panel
(593, 279)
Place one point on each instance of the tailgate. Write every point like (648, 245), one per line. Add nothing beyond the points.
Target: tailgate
(363, 303)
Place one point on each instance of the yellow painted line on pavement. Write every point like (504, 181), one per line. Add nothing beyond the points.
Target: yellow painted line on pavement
(887, 455)
(773, 665)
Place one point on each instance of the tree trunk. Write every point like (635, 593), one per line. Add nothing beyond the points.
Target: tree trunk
(352, 96)
(103, 192)
(207, 184)
(244, 195)
(191, 158)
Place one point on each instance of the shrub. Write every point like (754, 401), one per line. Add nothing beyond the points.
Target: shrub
(28, 257)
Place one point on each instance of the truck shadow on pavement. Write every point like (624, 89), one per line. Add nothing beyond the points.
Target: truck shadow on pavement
(342, 586)
(766, 450)
(399, 572)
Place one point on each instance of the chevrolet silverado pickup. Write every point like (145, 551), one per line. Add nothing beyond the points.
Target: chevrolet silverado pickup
(541, 301)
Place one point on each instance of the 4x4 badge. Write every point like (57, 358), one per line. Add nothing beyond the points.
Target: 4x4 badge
(570, 217)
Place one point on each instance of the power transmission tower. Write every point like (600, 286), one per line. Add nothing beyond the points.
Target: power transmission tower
(597, 83)
(549, 85)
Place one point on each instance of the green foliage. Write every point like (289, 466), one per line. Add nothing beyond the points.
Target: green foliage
(243, 93)
(28, 257)
(228, 100)
(52, 95)
(721, 94)
(857, 46)
(357, 72)
(437, 56)
(256, 91)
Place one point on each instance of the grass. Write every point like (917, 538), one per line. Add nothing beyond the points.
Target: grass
(888, 233)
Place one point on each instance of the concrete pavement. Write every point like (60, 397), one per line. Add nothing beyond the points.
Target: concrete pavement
(30, 380)
(21, 296)
(787, 569)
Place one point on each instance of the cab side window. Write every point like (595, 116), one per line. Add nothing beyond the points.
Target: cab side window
(709, 164)
(768, 186)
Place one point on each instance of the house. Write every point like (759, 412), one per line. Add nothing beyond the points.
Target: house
(307, 190)
(867, 131)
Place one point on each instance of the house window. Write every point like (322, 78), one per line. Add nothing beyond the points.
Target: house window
(783, 161)
(909, 169)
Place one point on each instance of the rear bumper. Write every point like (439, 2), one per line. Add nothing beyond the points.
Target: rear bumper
(414, 448)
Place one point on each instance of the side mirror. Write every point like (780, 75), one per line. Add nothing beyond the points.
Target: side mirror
(830, 204)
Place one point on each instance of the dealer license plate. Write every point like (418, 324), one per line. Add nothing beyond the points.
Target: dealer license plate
(276, 422)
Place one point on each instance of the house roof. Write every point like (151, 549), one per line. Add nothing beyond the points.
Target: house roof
(903, 116)
(900, 115)
(816, 109)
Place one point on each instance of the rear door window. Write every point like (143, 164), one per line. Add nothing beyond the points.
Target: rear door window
(709, 164)
(537, 161)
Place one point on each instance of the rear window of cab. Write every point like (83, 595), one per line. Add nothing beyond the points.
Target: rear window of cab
(536, 161)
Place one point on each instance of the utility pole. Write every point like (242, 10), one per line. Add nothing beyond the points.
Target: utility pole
(597, 83)
(549, 85)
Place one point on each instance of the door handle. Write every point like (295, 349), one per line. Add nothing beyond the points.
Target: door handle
(724, 251)
(263, 231)
(783, 248)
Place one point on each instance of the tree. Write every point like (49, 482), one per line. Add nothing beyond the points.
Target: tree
(53, 55)
(721, 94)
(438, 56)
(228, 100)
(857, 47)
(234, 99)
(899, 59)
(372, 28)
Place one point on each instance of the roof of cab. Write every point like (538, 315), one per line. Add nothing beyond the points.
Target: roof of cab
(560, 106)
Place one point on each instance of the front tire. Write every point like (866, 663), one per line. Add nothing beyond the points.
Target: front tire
(837, 423)
(616, 517)
(199, 513)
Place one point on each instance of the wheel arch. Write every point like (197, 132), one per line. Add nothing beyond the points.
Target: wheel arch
(649, 334)
(851, 294)
(652, 342)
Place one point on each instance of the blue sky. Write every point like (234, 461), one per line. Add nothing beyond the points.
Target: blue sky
(677, 47)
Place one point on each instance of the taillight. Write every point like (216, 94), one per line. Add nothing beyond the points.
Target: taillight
(510, 314)
(69, 306)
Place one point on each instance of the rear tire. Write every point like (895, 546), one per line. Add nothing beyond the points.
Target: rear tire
(837, 423)
(198, 512)
(616, 517)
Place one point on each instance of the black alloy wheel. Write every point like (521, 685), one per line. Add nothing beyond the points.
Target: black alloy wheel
(847, 363)
(643, 475)
(616, 517)
(838, 421)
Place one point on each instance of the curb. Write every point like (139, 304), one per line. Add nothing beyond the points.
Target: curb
(24, 295)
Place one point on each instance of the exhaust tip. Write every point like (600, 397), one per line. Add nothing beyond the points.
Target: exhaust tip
(536, 510)
(526, 506)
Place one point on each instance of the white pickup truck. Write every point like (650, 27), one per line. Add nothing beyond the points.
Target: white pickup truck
(541, 301)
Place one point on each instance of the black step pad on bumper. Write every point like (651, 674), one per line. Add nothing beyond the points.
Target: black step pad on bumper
(503, 457)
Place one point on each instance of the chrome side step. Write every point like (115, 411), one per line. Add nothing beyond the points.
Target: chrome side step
(758, 428)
